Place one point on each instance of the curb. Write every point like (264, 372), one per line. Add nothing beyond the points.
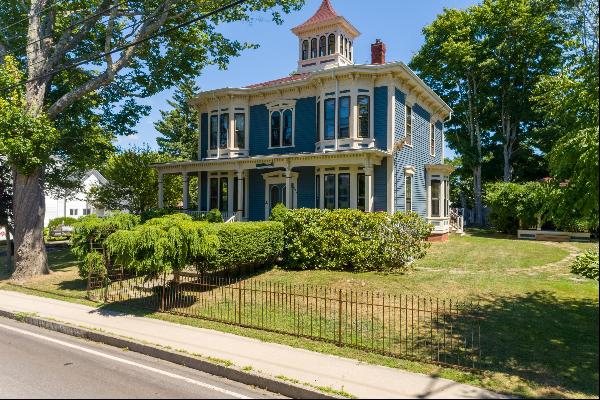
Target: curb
(287, 389)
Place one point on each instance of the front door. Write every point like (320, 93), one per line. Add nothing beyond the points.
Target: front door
(276, 195)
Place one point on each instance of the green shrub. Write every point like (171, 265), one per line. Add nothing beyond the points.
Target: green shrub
(214, 215)
(92, 228)
(586, 265)
(164, 244)
(351, 240)
(157, 213)
(247, 244)
(515, 205)
(56, 222)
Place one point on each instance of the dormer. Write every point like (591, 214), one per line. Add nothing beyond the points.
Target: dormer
(325, 40)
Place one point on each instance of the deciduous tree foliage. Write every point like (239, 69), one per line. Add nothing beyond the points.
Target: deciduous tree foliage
(84, 63)
(133, 182)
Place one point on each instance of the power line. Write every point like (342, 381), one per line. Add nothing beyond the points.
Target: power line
(70, 27)
(134, 43)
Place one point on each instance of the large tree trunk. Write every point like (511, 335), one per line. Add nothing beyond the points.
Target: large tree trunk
(28, 209)
(477, 195)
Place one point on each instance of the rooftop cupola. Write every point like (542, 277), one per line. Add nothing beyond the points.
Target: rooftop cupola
(325, 40)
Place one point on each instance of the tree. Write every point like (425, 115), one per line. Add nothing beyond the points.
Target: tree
(179, 126)
(133, 182)
(85, 63)
(6, 207)
(522, 41)
(458, 76)
(569, 103)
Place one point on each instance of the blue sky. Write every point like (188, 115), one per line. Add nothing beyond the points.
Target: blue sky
(397, 22)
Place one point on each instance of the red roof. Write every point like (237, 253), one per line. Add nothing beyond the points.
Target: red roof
(324, 13)
(290, 78)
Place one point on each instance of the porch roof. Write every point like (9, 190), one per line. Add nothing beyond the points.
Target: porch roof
(354, 156)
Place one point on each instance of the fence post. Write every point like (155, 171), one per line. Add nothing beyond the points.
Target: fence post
(162, 297)
(239, 302)
(340, 317)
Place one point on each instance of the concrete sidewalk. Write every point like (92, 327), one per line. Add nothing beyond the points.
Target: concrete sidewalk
(357, 378)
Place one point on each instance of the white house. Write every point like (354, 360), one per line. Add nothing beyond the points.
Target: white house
(75, 205)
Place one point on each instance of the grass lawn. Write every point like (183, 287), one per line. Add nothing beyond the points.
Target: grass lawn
(541, 326)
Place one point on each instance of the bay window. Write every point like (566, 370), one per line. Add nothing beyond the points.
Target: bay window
(214, 131)
(408, 193)
(363, 116)
(344, 117)
(240, 130)
(329, 119)
(224, 132)
(435, 197)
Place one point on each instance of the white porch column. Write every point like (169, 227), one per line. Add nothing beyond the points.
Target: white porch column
(199, 188)
(186, 190)
(240, 192)
(368, 188)
(288, 188)
(161, 201)
(230, 181)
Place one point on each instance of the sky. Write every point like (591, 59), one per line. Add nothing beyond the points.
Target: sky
(398, 23)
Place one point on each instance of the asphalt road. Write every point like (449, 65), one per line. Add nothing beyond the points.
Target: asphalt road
(37, 363)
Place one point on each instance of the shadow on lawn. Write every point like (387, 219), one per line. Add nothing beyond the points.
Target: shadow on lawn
(544, 339)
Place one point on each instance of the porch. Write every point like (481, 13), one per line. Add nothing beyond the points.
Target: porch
(247, 189)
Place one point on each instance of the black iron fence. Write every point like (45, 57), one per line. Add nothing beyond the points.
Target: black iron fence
(413, 327)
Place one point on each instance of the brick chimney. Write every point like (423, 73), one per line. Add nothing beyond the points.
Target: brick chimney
(378, 52)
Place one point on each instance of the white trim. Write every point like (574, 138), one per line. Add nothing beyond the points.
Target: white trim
(277, 178)
(282, 107)
(432, 136)
(412, 122)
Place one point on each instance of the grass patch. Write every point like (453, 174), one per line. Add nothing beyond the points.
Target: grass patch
(541, 326)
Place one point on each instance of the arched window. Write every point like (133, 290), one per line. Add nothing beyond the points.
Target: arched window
(346, 47)
(304, 49)
(322, 46)
(313, 48)
(350, 50)
(287, 128)
(331, 44)
(275, 129)
(341, 44)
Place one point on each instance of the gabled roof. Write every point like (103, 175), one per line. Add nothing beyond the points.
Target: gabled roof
(97, 174)
(291, 78)
(324, 13)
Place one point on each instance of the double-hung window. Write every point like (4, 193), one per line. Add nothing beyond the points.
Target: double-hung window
(224, 195)
(432, 139)
(408, 180)
(436, 190)
(343, 191)
(313, 48)
(360, 192)
(282, 128)
(214, 131)
(344, 118)
(224, 132)
(331, 44)
(240, 130)
(409, 121)
(329, 119)
(305, 49)
(322, 46)
(329, 189)
(363, 116)
(219, 196)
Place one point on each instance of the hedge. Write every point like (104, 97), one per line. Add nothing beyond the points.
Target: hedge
(171, 243)
(247, 244)
(351, 240)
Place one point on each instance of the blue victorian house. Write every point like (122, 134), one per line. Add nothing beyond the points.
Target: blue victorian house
(334, 134)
